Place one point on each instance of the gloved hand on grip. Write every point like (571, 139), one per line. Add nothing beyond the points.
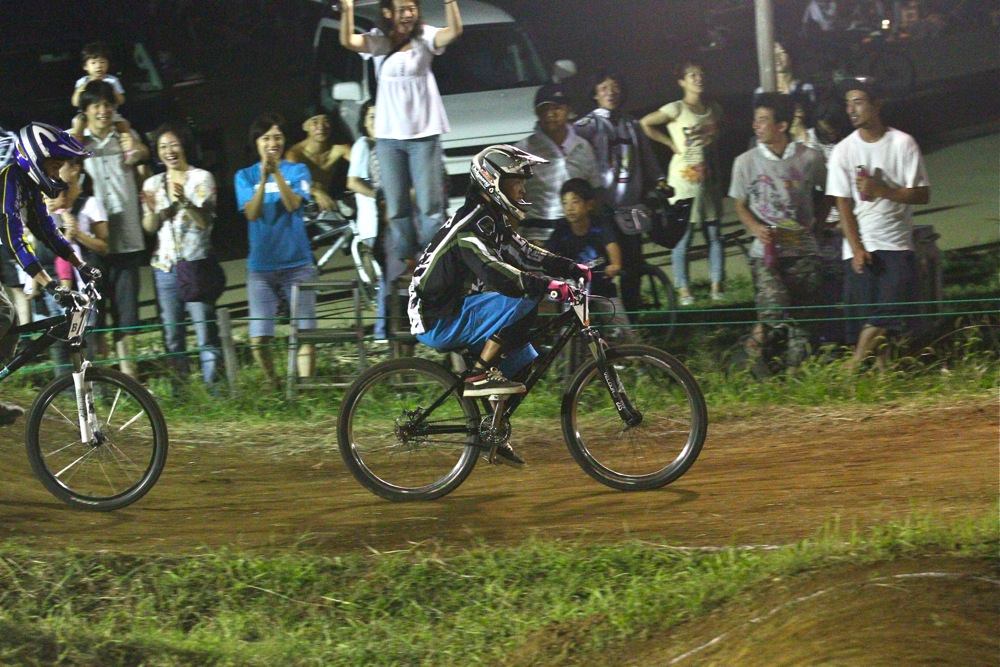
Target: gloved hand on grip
(62, 295)
(580, 272)
(561, 292)
(89, 273)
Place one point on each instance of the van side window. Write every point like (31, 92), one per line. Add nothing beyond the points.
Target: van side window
(335, 62)
(489, 57)
(150, 78)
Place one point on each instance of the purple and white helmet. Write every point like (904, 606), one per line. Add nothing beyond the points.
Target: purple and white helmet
(496, 162)
(37, 141)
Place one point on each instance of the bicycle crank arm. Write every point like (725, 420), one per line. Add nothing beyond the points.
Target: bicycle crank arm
(495, 426)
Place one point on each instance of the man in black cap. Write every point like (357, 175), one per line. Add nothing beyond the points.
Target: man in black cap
(569, 156)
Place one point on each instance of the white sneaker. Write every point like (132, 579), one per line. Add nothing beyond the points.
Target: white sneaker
(686, 300)
(718, 296)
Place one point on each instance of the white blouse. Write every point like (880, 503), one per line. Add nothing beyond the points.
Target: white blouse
(408, 104)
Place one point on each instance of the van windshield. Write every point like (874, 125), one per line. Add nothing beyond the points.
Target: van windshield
(489, 57)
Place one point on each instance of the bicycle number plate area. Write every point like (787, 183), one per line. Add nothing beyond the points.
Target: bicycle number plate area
(76, 324)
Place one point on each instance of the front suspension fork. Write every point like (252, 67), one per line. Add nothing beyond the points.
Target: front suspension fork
(86, 413)
(598, 348)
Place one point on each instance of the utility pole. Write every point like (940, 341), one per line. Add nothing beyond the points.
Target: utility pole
(764, 14)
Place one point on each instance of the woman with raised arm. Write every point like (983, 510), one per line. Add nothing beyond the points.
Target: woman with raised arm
(409, 114)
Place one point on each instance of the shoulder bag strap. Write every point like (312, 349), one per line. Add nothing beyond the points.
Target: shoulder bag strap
(170, 220)
(378, 70)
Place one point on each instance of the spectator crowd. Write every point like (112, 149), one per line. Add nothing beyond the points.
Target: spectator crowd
(825, 190)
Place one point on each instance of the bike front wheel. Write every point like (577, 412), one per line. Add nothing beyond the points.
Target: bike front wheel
(662, 446)
(404, 434)
(123, 459)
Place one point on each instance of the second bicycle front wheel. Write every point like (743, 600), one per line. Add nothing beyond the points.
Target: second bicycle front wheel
(404, 434)
(125, 456)
(657, 451)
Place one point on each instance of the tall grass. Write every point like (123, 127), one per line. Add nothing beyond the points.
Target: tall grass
(421, 607)
(965, 361)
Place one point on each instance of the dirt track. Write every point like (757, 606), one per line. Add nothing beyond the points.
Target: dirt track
(771, 479)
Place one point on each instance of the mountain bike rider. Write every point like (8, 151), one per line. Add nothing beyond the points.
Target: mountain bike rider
(478, 283)
(41, 151)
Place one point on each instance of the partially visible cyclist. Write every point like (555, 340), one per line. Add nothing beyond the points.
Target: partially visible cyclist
(478, 283)
(40, 154)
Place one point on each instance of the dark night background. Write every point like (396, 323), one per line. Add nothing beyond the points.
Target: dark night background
(225, 61)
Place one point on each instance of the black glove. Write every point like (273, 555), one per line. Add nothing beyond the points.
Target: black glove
(90, 273)
(62, 295)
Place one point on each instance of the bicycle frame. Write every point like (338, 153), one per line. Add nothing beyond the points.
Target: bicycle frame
(344, 234)
(69, 328)
(575, 321)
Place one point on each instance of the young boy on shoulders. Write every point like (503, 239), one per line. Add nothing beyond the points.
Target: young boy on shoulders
(589, 238)
(96, 58)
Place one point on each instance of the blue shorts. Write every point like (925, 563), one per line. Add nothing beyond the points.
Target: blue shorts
(482, 316)
(265, 289)
(883, 295)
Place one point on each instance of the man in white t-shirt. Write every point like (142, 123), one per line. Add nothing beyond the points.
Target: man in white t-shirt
(876, 175)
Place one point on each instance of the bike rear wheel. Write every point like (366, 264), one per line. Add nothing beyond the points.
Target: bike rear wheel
(392, 447)
(124, 459)
(658, 295)
(658, 450)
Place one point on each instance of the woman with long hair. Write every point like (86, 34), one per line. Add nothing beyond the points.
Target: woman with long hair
(409, 114)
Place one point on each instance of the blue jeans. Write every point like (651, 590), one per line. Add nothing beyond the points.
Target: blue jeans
(415, 163)
(716, 257)
(265, 290)
(174, 332)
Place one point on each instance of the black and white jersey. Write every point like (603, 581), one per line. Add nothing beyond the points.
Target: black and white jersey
(476, 250)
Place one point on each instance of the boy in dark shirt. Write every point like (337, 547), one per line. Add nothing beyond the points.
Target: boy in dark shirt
(589, 239)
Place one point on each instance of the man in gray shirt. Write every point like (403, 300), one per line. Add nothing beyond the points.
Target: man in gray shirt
(112, 170)
(627, 168)
(774, 185)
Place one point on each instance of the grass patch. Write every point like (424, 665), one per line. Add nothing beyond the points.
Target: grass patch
(421, 607)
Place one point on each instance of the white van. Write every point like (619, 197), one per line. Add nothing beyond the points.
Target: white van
(487, 77)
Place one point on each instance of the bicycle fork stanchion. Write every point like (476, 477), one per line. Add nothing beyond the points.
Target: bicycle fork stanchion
(84, 403)
(623, 405)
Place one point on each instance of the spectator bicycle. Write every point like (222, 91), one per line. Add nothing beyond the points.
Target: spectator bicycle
(659, 299)
(339, 230)
(95, 438)
(633, 417)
